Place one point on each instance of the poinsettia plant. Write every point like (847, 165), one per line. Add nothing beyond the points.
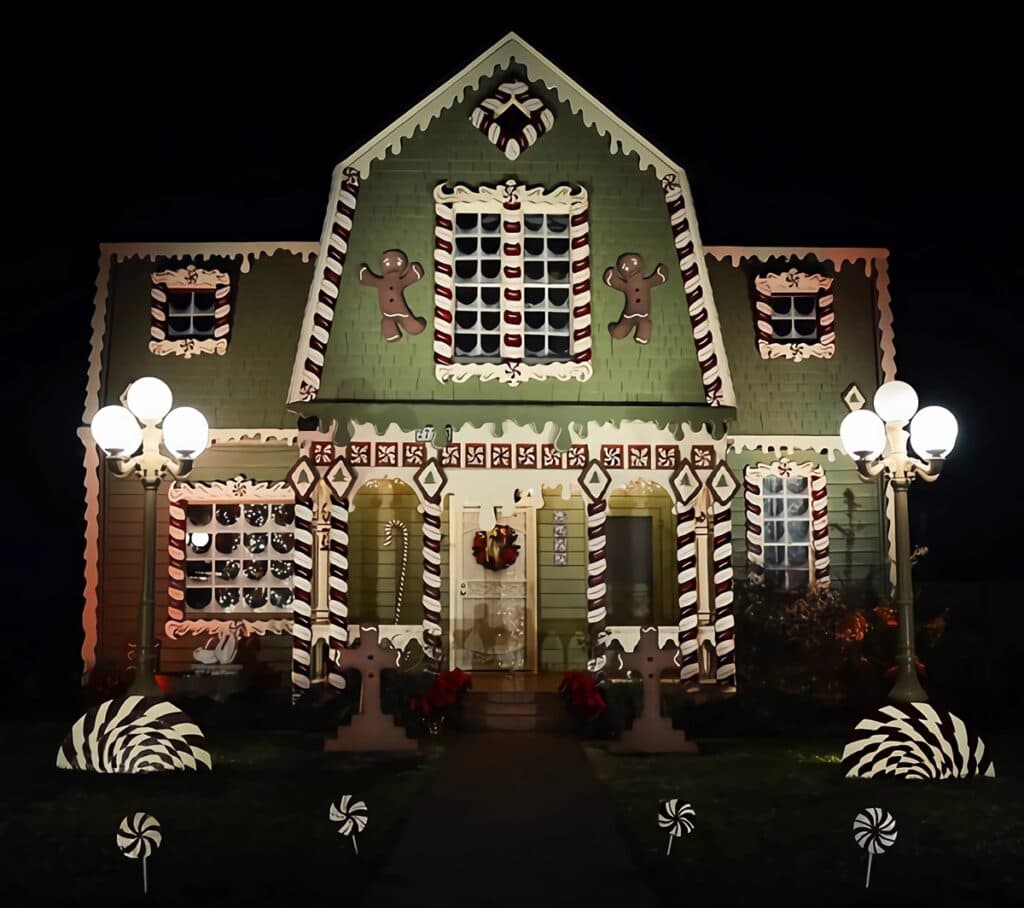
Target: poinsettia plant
(582, 694)
(447, 689)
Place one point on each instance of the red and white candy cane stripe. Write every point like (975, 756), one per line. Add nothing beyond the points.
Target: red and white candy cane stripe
(337, 606)
(302, 610)
(579, 255)
(819, 527)
(690, 270)
(753, 507)
(512, 276)
(444, 294)
(597, 615)
(725, 628)
(176, 523)
(332, 268)
(686, 568)
(432, 584)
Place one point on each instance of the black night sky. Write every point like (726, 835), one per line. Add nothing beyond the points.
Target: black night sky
(848, 133)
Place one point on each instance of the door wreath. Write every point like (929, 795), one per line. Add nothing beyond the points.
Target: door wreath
(496, 548)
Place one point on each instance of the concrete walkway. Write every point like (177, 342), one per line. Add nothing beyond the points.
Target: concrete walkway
(514, 819)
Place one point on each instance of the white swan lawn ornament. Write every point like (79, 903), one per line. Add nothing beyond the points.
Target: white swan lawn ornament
(222, 652)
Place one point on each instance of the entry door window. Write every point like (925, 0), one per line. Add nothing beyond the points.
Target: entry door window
(629, 553)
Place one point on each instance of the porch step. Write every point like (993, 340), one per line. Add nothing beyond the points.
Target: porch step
(514, 711)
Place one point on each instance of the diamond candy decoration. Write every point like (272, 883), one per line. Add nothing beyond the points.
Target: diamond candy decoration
(339, 478)
(685, 482)
(302, 477)
(594, 480)
(431, 479)
(853, 398)
(723, 483)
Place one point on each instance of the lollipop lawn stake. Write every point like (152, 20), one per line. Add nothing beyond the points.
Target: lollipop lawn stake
(874, 829)
(138, 836)
(351, 816)
(677, 818)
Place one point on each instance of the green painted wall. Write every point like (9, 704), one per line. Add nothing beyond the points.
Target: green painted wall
(857, 543)
(248, 385)
(396, 210)
(780, 396)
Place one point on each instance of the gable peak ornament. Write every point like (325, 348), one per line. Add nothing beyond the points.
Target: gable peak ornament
(512, 118)
(594, 481)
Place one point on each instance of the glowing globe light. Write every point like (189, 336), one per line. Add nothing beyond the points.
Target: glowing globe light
(186, 432)
(862, 434)
(149, 399)
(933, 432)
(895, 401)
(116, 431)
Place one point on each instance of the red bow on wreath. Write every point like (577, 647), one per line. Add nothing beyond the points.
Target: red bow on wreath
(496, 548)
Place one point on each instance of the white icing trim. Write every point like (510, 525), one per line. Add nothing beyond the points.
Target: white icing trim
(513, 373)
(828, 445)
(90, 611)
(267, 436)
(786, 284)
(238, 488)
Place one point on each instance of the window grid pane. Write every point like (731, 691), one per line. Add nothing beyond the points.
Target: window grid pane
(477, 261)
(239, 556)
(787, 531)
(546, 285)
(190, 313)
(795, 318)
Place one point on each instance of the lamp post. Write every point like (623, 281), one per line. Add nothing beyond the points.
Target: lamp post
(147, 439)
(877, 441)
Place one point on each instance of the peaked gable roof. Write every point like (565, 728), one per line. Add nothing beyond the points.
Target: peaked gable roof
(623, 139)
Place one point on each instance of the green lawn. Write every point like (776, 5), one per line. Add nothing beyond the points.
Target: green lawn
(255, 831)
(774, 826)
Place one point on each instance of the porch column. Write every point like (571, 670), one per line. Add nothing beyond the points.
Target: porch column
(686, 578)
(337, 606)
(302, 611)
(432, 582)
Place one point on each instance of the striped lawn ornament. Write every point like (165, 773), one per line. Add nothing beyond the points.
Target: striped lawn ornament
(874, 830)
(133, 734)
(351, 817)
(677, 818)
(915, 741)
(139, 836)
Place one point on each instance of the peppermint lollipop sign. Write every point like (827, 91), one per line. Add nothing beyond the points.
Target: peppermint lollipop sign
(874, 830)
(677, 818)
(351, 816)
(139, 836)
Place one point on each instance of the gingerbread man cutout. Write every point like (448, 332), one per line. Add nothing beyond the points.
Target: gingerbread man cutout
(628, 277)
(396, 274)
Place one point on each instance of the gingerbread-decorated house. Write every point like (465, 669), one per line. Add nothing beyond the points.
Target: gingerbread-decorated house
(508, 407)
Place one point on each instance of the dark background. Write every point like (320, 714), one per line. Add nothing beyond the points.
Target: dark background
(812, 131)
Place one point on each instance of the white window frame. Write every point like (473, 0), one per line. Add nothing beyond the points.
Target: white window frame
(190, 278)
(795, 283)
(754, 505)
(214, 619)
(512, 200)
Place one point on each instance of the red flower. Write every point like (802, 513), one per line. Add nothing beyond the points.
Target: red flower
(886, 615)
(444, 692)
(581, 693)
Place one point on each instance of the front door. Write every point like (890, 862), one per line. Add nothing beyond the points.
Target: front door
(494, 593)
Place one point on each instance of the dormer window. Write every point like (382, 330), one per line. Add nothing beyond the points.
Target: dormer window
(190, 312)
(795, 316)
(512, 269)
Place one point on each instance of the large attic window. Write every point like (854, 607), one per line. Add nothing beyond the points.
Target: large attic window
(512, 298)
(512, 118)
(795, 316)
(190, 312)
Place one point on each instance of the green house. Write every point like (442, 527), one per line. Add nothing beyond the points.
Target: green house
(509, 407)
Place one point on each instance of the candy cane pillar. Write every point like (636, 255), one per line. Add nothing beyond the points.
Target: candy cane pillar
(686, 579)
(432, 583)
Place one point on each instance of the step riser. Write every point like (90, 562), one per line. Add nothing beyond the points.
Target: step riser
(514, 711)
(513, 723)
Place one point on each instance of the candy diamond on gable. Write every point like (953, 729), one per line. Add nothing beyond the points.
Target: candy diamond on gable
(853, 398)
(594, 480)
(430, 479)
(302, 477)
(723, 483)
(685, 482)
(339, 478)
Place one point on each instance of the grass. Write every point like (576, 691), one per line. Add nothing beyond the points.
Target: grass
(254, 831)
(774, 822)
